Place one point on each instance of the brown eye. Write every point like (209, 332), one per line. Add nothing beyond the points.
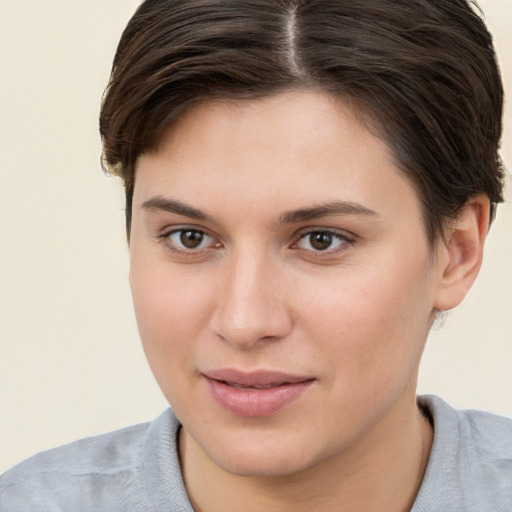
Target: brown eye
(323, 241)
(191, 242)
(191, 239)
(320, 241)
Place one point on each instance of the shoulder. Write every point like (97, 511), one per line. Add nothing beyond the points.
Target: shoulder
(104, 472)
(474, 430)
(470, 465)
(109, 452)
(488, 433)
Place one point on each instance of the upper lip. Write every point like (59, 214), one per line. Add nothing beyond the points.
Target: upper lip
(254, 378)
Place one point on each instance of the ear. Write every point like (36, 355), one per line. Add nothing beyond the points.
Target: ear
(459, 255)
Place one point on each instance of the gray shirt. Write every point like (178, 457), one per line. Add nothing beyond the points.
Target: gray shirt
(137, 469)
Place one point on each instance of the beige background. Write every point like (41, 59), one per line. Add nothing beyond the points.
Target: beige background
(70, 361)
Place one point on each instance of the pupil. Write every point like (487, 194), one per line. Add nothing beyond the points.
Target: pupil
(191, 239)
(321, 241)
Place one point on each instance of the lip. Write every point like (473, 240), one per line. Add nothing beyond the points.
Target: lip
(255, 394)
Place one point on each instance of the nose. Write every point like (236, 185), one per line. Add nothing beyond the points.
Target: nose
(251, 306)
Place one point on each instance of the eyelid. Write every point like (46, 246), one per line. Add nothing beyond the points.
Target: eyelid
(347, 239)
(176, 228)
(166, 233)
(347, 235)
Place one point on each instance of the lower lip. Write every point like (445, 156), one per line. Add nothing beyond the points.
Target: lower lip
(253, 402)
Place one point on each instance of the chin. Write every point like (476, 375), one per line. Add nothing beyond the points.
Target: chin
(269, 458)
(261, 466)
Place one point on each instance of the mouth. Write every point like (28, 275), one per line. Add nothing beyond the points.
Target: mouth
(255, 394)
(255, 387)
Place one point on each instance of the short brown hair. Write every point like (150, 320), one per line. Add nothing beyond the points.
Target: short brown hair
(424, 70)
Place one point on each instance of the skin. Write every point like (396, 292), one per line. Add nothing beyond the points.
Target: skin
(257, 295)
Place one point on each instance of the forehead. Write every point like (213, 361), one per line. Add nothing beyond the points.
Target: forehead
(284, 151)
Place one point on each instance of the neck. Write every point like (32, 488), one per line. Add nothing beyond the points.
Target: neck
(382, 471)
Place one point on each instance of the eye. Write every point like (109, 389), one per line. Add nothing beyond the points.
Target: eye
(322, 241)
(187, 239)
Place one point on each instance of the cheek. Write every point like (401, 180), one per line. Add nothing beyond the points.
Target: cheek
(371, 324)
(172, 309)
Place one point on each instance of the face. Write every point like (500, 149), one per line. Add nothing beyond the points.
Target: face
(282, 281)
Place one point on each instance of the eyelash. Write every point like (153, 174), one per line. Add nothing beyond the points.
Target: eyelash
(183, 251)
(344, 240)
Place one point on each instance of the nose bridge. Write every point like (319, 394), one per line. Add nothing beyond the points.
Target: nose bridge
(251, 305)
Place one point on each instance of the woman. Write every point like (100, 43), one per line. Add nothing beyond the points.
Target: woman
(308, 185)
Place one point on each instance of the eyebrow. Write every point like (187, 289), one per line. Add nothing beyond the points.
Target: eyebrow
(326, 209)
(289, 217)
(173, 206)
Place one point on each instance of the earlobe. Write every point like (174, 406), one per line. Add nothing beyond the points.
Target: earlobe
(460, 253)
